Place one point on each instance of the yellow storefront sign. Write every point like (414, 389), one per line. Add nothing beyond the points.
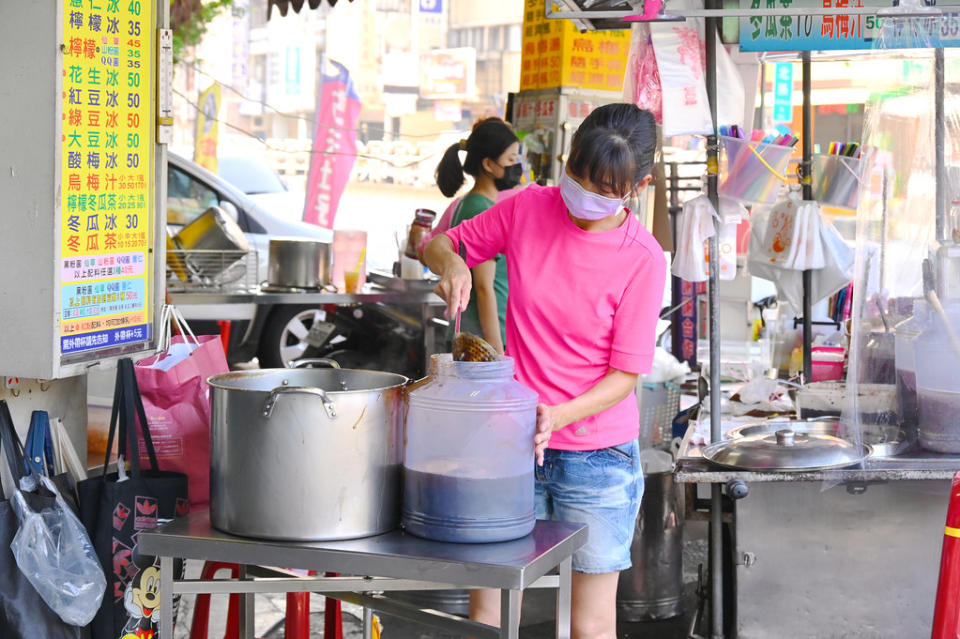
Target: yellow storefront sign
(556, 54)
(107, 174)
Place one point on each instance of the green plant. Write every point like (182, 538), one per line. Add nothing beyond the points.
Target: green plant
(189, 20)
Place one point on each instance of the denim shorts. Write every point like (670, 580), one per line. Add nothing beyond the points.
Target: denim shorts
(599, 488)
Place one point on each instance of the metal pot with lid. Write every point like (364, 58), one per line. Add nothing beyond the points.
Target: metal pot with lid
(306, 454)
(786, 451)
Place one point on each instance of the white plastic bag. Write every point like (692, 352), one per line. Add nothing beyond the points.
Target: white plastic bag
(836, 272)
(788, 236)
(693, 228)
(53, 551)
(680, 49)
(172, 354)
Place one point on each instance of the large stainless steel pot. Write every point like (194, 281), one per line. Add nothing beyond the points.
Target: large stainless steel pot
(306, 454)
(299, 263)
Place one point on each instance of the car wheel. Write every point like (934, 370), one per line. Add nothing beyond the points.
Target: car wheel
(282, 340)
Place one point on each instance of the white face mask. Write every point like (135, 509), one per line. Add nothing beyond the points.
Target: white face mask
(584, 204)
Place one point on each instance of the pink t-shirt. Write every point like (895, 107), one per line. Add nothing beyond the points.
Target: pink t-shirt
(580, 303)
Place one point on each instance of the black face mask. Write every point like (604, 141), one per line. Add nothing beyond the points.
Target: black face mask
(511, 177)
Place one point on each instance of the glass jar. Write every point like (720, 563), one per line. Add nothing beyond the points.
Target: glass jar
(421, 227)
(468, 461)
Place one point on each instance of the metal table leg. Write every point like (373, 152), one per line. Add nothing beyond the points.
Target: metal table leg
(564, 595)
(510, 614)
(367, 623)
(166, 597)
(247, 616)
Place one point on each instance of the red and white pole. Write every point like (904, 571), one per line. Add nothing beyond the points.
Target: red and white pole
(946, 613)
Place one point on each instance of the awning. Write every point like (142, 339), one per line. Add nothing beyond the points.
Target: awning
(283, 5)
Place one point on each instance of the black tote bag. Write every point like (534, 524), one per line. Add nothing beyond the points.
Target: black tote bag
(23, 613)
(115, 512)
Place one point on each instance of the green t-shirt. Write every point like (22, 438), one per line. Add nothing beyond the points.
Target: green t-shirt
(471, 206)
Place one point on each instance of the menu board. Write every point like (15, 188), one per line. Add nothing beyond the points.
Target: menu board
(836, 30)
(106, 171)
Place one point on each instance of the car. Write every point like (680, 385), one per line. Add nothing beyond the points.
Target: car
(267, 332)
(260, 183)
(371, 336)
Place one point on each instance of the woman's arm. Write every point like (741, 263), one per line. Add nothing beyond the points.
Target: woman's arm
(455, 280)
(483, 276)
(607, 393)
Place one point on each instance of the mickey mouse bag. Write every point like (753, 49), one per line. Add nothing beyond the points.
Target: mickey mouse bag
(117, 507)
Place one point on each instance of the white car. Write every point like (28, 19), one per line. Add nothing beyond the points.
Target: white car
(271, 333)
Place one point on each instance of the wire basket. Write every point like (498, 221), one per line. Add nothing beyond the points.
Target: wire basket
(211, 270)
(658, 403)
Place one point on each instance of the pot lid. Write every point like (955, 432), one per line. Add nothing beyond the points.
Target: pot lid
(817, 426)
(785, 450)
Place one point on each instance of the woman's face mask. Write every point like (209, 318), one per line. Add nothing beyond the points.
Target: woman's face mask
(584, 204)
(511, 177)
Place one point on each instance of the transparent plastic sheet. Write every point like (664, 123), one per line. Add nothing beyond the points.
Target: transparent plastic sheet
(896, 231)
(53, 551)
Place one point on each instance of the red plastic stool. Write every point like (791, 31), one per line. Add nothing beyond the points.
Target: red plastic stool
(296, 623)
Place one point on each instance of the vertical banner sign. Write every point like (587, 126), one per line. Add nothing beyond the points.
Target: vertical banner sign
(106, 173)
(334, 145)
(783, 92)
(205, 139)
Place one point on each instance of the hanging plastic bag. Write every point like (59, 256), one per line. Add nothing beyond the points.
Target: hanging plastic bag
(176, 398)
(680, 49)
(788, 237)
(54, 553)
(641, 82)
(694, 227)
(837, 271)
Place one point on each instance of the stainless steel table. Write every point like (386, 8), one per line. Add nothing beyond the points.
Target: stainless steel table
(394, 561)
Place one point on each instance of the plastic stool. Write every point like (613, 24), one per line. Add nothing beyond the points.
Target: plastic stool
(296, 624)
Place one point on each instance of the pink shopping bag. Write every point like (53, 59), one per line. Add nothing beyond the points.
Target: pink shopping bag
(176, 399)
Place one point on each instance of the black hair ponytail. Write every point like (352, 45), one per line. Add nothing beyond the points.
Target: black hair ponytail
(449, 173)
(489, 139)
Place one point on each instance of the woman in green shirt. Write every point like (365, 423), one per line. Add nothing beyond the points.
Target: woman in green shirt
(493, 161)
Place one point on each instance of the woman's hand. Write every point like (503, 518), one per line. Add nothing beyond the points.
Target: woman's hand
(454, 286)
(547, 421)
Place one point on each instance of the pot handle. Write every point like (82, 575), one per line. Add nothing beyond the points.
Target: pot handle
(311, 361)
(328, 404)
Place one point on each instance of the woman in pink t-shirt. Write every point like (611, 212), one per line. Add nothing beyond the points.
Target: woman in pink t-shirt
(586, 285)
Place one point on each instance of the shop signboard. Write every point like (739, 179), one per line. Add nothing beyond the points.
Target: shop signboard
(783, 92)
(106, 171)
(556, 55)
(840, 30)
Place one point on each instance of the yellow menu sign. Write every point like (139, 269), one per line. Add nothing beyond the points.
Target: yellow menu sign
(106, 174)
(555, 54)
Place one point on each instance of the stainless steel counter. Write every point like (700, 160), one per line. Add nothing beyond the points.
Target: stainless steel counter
(394, 561)
(850, 553)
(370, 294)
(913, 465)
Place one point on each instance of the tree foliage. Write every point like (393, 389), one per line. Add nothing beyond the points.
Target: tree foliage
(189, 20)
